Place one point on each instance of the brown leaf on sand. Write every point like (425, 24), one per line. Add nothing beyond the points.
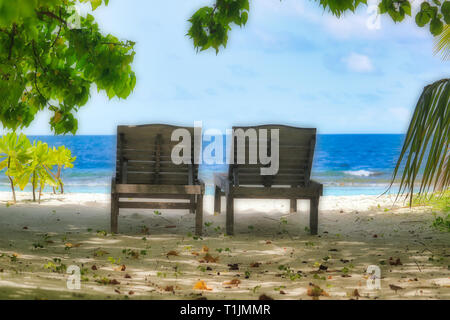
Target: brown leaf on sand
(169, 289)
(117, 291)
(201, 285)
(94, 267)
(355, 293)
(195, 253)
(131, 292)
(172, 253)
(127, 276)
(233, 283)
(25, 228)
(205, 249)
(395, 288)
(114, 281)
(315, 291)
(255, 265)
(169, 227)
(282, 292)
(269, 242)
(396, 262)
(209, 258)
(265, 297)
(121, 268)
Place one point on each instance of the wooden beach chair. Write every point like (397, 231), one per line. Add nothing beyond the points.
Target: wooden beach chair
(292, 181)
(145, 171)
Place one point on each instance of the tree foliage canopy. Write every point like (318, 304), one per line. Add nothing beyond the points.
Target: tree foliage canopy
(210, 24)
(49, 59)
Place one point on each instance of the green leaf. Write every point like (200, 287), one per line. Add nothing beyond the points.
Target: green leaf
(95, 4)
(422, 18)
(436, 26)
(445, 10)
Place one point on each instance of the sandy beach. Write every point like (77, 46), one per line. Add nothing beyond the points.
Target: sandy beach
(156, 256)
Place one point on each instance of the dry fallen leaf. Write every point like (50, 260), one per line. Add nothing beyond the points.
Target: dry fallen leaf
(255, 265)
(131, 293)
(393, 262)
(121, 268)
(94, 267)
(315, 291)
(209, 258)
(114, 281)
(169, 288)
(205, 249)
(265, 297)
(201, 285)
(195, 253)
(233, 282)
(172, 253)
(395, 288)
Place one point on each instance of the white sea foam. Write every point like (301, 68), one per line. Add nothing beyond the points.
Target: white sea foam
(360, 173)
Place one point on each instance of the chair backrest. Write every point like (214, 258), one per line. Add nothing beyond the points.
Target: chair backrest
(144, 156)
(296, 152)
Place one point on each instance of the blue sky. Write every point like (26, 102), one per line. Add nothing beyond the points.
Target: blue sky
(292, 64)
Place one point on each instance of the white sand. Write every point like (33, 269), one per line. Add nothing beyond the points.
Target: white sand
(354, 232)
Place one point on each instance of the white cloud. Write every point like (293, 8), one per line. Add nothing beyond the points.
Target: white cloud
(358, 63)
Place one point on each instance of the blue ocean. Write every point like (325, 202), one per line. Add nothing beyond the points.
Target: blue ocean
(347, 164)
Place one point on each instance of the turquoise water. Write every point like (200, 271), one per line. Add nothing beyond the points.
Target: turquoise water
(350, 164)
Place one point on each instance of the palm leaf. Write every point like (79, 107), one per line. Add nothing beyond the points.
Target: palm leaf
(426, 145)
(442, 43)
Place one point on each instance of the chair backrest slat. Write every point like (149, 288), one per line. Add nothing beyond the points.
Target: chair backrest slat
(296, 152)
(144, 156)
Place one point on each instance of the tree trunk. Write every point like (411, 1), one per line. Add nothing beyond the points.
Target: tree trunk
(60, 181)
(40, 191)
(34, 186)
(12, 188)
(11, 182)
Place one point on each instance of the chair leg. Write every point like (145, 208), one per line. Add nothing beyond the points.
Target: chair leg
(199, 216)
(314, 215)
(217, 200)
(114, 212)
(192, 201)
(230, 214)
(293, 206)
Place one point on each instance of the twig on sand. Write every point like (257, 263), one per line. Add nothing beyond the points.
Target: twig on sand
(418, 267)
(270, 218)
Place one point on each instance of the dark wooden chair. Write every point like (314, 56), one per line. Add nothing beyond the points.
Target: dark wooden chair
(292, 181)
(145, 171)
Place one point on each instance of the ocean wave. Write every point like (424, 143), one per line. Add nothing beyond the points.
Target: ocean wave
(363, 173)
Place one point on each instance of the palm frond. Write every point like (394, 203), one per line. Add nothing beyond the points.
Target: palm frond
(442, 43)
(426, 144)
